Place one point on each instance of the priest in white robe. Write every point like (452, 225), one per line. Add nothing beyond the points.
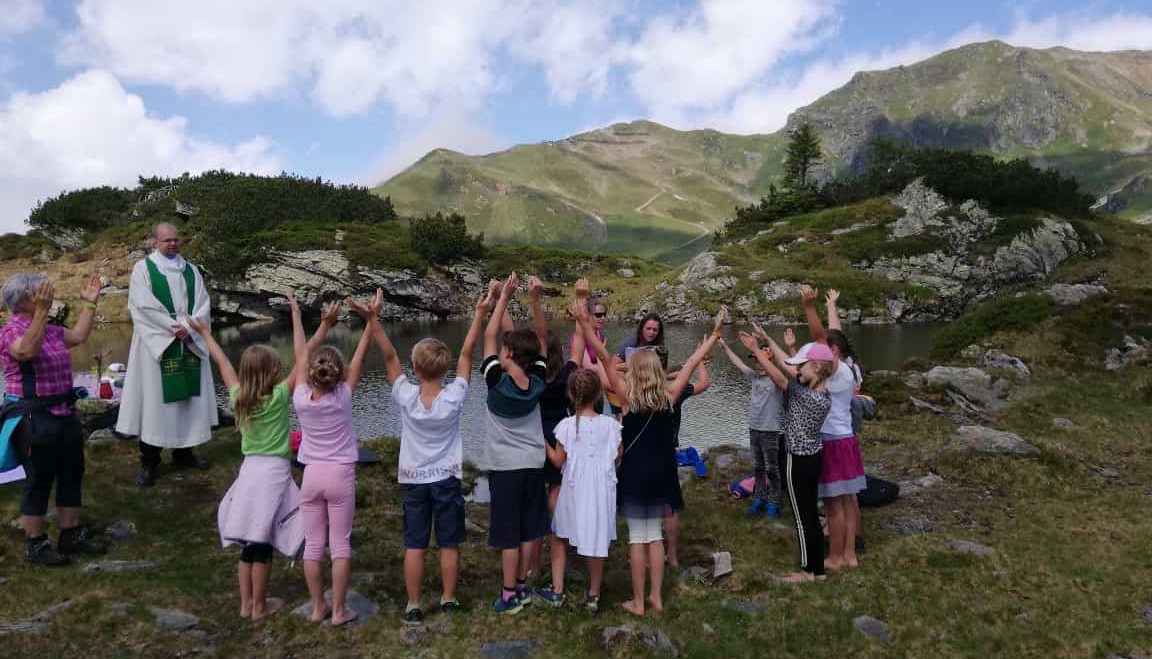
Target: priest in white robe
(169, 399)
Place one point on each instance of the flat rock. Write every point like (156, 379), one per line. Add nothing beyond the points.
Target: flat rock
(614, 637)
(54, 610)
(969, 547)
(873, 628)
(747, 607)
(519, 649)
(1071, 294)
(1001, 360)
(725, 461)
(975, 384)
(23, 627)
(413, 634)
(980, 439)
(1060, 423)
(441, 625)
(911, 524)
(914, 380)
(120, 530)
(920, 484)
(1148, 616)
(120, 566)
(364, 608)
(101, 436)
(173, 619)
(696, 573)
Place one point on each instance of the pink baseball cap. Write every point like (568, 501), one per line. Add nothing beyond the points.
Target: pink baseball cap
(811, 352)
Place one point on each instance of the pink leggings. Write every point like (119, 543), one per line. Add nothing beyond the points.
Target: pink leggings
(327, 503)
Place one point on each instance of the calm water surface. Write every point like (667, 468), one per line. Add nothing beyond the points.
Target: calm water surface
(716, 417)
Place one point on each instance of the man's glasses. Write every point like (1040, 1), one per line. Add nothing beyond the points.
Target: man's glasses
(600, 314)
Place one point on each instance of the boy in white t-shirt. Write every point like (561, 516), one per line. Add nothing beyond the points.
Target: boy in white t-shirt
(431, 456)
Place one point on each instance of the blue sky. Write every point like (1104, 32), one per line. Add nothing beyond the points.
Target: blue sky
(95, 92)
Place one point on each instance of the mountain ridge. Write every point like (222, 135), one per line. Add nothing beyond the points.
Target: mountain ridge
(659, 192)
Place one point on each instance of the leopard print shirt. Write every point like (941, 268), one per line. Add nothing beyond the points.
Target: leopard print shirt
(804, 412)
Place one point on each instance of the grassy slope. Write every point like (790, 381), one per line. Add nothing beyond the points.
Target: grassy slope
(628, 175)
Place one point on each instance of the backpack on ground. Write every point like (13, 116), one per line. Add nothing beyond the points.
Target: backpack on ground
(878, 492)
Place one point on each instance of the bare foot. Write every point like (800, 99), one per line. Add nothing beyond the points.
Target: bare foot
(833, 565)
(799, 577)
(319, 614)
(344, 618)
(852, 562)
(634, 607)
(271, 605)
(246, 610)
(657, 605)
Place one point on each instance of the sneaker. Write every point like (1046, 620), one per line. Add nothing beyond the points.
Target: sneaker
(592, 603)
(413, 615)
(772, 510)
(41, 552)
(81, 540)
(524, 594)
(756, 508)
(451, 606)
(510, 606)
(550, 597)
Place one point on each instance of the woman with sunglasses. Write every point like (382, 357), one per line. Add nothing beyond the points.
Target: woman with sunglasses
(598, 314)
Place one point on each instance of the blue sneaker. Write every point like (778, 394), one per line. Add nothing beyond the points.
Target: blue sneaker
(772, 510)
(510, 606)
(524, 594)
(756, 508)
(550, 597)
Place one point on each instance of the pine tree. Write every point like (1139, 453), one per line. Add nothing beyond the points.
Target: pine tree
(803, 154)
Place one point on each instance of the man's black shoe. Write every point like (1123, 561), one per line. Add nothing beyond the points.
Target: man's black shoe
(41, 552)
(189, 460)
(80, 540)
(147, 476)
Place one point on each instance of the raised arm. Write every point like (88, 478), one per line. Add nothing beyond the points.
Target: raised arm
(703, 381)
(677, 386)
(28, 346)
(579, 348)
(299, 344)
(790, 340)
(830, 300)
(781, 358)
(492, 332)
(734, 358)
(371, 315)
(579, 310)
(539, 322)
(89, 294)
(464, 361)
(227, 373)
(328, 317)
(808, 297)
(356, 367)
(749, 341)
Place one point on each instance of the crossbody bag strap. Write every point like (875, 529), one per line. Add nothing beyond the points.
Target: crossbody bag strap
(639, 434)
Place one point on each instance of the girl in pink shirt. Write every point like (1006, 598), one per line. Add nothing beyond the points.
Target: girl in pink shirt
(328, 451)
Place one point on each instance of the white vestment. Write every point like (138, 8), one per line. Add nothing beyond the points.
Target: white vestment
(143, 411)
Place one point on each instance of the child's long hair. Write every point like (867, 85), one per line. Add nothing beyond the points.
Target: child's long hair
(555, 357)
(259, 373)
(646, 382)
(583, 391)
(326, 369)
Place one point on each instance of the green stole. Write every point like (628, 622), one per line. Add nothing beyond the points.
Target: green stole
(179, 367)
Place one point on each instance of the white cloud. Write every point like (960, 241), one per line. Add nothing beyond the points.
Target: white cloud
(346, 54)
(90, 131)
(18, 16)
(453, 130)
(1119, 31)
(700, 59)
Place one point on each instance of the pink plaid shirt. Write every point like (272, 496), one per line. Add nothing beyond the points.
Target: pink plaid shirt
(52, 367)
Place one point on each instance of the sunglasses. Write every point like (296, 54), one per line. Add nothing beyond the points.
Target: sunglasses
(600, 314)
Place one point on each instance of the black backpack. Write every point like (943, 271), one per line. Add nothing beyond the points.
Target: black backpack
(878, 492)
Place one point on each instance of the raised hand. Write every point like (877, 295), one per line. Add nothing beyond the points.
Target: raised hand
(582, 289)
(790, 338)
(759, 332)
(90, 289)
(578, 308)
(831, 297)
(44, 295)
(808, 294)
(485, 303)
(535, 287)
(508, 289)
(721, 316)
(331, 313)
(494, 287)
(749, 341)
(197, 326)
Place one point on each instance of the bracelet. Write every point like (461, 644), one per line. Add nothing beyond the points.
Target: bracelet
(90, 305)
(715, 334)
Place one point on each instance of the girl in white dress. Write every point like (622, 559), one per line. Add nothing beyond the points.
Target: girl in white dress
(587, 450)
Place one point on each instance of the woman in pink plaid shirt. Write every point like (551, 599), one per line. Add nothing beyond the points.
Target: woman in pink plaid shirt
(39, 413)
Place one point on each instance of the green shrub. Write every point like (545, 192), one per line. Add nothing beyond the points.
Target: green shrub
(444, 239)
(1004, 314)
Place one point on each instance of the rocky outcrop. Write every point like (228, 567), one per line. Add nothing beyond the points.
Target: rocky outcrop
(1072, 294)
(320, 276)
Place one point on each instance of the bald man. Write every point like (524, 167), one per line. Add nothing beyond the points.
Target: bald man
(169, 398)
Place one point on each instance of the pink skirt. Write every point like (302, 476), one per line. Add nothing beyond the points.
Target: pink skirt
(262, 506)
(842, 472)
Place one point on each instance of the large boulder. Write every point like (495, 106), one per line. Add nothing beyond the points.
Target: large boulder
(979, 439)
(975, 384)
(1073, 294)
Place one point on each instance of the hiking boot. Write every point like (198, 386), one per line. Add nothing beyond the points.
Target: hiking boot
(550, 597)
(189, 460)
(756, 508)
(147, 476)
(772, 510)
(41, 552)
(510, 606)
(413, 615)
(80, 540)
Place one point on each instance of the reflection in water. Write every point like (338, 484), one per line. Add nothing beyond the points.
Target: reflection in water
(717, 417)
